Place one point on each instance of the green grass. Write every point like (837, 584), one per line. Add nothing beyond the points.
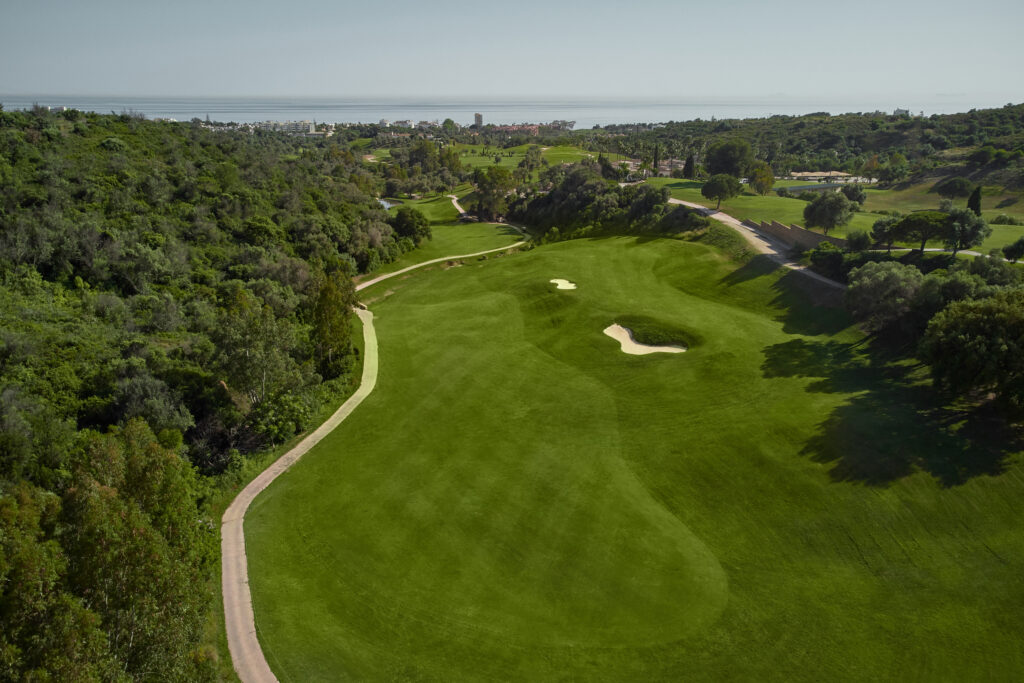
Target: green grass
(449, 236)
(751, 206)
(518, 500)
(994, 201)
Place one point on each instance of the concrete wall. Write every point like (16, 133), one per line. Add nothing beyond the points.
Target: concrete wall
(794, 235)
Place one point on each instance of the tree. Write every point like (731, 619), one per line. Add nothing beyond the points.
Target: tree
(855, 193)
(954, 187)
(411, 223)
(254, 347)
(689, 168)
(922, 226)
(974, 201)
(881, 293)
(531, 162)
(965, 229)
(829, 210)
(721, 186)
(1013, 252)
(977, 346)
(884, 232)
(762, 178)
(332, 324)
(733, 157)
(492, 185)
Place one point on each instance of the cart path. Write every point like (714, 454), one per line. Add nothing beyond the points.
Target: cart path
(763, 244)
(239, 618)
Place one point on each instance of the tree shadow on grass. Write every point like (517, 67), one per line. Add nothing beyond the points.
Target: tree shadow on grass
(897, 423)
(759, 266)
(809, 306)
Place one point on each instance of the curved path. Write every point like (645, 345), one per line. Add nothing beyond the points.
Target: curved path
(761, 243)
(239, 619)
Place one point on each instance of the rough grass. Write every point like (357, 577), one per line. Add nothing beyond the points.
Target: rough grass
(654, 332)
(517, 500)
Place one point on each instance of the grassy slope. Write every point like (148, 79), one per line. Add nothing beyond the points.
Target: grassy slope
(752, 206)
(788, 210)
(993, 202)
(519, 500)
(449, 236)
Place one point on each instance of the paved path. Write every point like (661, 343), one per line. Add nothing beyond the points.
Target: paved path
(239, 619)
(761, 243)
(250, 664)
(458, 207)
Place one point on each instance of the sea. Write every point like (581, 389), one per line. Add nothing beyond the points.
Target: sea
(586, 112)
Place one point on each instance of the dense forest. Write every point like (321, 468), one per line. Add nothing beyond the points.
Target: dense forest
(172, 298)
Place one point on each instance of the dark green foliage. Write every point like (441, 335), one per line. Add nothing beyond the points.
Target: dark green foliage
(682, 219)
(761, 178)
(979, 346)
(884, 231)
(332, 324)
(881, 294)
(827, 259)
(411, 223)
(965, 229)
(492, 185)
(721, 186)
(855, 193)
(690, 168)
(829, 210)
(731, 157)
(582, 202)
(858, 240)
(1014, 252)
(1004, 219)
(974, 201)
(655, 332)
(164, 303)
(922, 226)
(951, 188)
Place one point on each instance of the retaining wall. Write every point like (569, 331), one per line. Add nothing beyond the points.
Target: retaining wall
(794, 235)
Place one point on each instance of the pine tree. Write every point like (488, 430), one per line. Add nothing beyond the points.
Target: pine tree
(689, 170)
(974, 201)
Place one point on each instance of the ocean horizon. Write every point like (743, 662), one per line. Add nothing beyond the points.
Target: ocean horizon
(586, 112)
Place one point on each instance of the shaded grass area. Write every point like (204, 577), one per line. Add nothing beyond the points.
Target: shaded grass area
(517, 500)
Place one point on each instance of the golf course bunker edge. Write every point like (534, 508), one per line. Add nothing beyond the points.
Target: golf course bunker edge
(624, 336)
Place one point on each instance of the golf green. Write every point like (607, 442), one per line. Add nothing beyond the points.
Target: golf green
(520, 500)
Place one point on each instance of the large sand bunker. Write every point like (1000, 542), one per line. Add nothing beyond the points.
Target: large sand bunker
(563, 284)
(629, 345)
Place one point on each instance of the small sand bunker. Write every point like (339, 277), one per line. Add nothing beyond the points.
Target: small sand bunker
(625, 338)
(563, 284)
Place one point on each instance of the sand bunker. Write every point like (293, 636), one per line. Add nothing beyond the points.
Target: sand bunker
(563, 284)
(629, 345)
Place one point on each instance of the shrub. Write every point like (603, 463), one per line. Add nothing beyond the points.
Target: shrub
(858, 240)
(1004, 219)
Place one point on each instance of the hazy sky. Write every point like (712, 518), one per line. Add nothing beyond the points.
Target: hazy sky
(671, 49)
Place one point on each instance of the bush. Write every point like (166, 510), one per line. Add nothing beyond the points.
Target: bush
(858, 240)
(1004, 219)
(783, 192)
(827, 259)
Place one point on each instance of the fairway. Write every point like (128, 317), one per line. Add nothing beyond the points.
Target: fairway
(520, 500)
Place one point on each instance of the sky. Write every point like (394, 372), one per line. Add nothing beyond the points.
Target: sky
(528, 48)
